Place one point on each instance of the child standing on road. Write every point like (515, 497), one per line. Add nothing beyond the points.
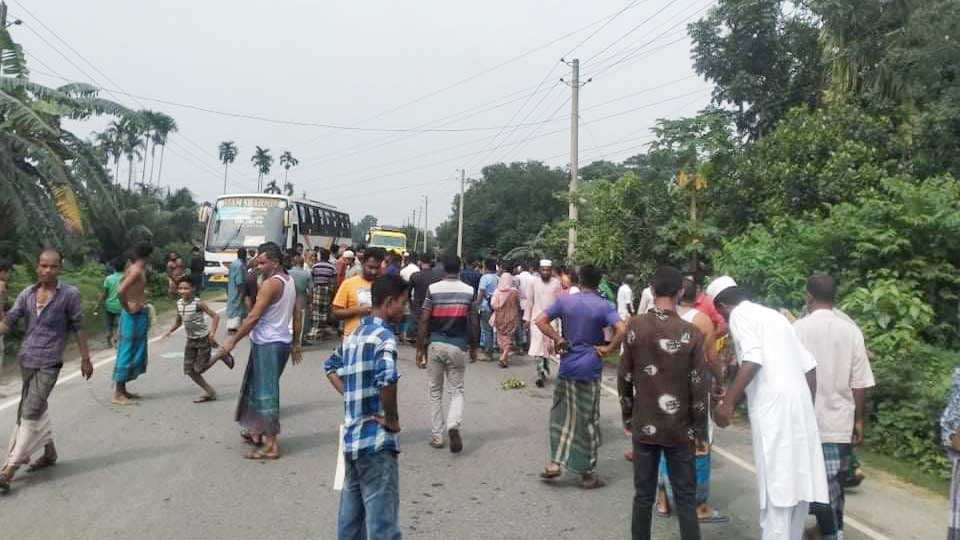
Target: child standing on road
(200, 337)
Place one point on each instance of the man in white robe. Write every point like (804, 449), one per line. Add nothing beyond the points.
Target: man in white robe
(779, 377)
(542, 293)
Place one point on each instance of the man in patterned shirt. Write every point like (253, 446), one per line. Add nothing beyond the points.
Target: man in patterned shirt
(364, 370)
(663, 383)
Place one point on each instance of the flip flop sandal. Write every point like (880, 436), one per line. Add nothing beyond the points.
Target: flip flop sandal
(661, 513)
(592, 483)
(714, 517)
(204, 399)
(258, 455)
(41, 463)
(549, 474)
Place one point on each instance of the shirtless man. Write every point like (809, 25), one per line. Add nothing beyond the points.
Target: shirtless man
(134, 326)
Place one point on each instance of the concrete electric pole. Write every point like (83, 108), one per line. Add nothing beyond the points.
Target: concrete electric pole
(574, 150)
(463, 180)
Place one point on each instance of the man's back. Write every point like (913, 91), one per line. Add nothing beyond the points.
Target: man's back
(323, 273)
(842, 365)
(450, 303)
(665, 357)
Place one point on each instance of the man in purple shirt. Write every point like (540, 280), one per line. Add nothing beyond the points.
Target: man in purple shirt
(575, 416)
(50, 311)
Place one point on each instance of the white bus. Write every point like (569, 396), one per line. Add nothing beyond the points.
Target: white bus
(248, 220)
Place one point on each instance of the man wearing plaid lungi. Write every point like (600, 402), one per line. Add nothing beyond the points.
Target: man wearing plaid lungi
(843, 376)
(323, 273)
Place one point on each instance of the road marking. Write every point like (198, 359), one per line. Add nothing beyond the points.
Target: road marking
(101, 359)
(733, 458)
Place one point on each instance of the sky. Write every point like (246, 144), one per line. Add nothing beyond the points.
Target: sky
(489, 70)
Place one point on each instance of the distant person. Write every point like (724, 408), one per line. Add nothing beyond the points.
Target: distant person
(303, 282)
(197, 265)
(448, 334)
(251, 282)
(271, 344)
(486, 286)
(5, 268)
(625, 299)
(471, 276)
(110, 300)
(171, 271)
(51, 310)
(364, 370)
(575, 415)
(201, 337)
(843, 377)
(542, 293)
(323, 273)
(950, 439)
(664, 395)
(344, 263)
(236, 307)
(778, 376)
(393, 265)
(412, 267)
(353, 300)
(356, 264)
(134, 325)
(505, 304)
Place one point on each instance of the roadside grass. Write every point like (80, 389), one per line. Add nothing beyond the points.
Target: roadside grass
(871, 460)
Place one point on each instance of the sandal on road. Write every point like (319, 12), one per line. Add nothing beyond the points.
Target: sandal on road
(42, 463)
(549, 474)
(257, 454)
(591, 482)
(713, 517)
(205, 398)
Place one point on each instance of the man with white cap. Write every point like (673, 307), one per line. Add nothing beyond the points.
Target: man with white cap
(778, 376)
(543, 293)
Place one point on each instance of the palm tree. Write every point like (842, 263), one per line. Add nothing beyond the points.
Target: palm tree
(114, 132)
(131, 142)
(262, 161)
(148, 122)
(272, 187)
(288, 189)
(287, 160)
(163, 126)
(228, 153)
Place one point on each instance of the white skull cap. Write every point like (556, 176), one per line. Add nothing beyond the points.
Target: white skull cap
(348, 254)
(546, 263)
(719, 285)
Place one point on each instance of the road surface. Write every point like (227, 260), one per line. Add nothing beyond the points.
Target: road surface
(170, 469)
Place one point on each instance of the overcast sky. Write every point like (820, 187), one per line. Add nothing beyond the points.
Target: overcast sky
(375, 64)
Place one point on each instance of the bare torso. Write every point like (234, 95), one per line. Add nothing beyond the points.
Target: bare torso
(133, 288)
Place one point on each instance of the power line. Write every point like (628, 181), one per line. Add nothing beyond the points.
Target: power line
(632, 30)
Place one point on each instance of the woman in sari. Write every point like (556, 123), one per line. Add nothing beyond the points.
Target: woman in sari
(506, 314)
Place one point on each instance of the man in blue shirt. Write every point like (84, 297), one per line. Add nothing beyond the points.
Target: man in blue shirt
(485, 290)
(364, 370)
(575, 417)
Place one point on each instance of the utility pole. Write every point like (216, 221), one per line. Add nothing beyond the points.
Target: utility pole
(574, 151)
(416, 230)
(463, 180)
(426, 206)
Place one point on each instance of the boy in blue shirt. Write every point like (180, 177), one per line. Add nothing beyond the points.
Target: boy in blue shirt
(365, 361)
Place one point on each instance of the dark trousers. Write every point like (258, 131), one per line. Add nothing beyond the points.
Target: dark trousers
(683, 478)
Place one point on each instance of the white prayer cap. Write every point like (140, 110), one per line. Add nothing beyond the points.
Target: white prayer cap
(546, 263)
(348, 254)
(719, 285)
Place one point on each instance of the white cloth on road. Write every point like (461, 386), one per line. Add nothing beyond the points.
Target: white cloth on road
(842, 365)
(783, 523)
(786, 440)
(446, 362)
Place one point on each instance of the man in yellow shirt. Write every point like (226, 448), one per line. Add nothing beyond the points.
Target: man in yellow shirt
(353, 300)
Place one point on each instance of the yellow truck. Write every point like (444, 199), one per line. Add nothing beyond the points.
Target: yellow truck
(389, 238)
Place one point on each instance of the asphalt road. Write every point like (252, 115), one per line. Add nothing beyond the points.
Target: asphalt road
(171, 469)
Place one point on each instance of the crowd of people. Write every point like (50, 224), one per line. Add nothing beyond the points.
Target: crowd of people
(687, 355)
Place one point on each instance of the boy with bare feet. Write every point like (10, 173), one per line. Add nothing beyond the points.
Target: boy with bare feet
(200, 337)
(134, 326)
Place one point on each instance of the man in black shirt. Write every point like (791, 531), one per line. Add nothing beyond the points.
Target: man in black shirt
(196, 269)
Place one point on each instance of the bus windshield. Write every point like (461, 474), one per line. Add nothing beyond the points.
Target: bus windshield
(384, 240)
(245, 222)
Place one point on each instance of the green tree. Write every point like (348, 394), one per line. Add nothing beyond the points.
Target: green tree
(362, 227)
(286, 161)
(228, 153)
(163, 126)
(131, 141)
(262, 161)
(761, 59)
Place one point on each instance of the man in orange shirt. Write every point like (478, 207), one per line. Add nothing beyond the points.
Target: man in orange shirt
(353, 300)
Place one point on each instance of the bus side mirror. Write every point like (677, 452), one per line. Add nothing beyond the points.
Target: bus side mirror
(204, 212)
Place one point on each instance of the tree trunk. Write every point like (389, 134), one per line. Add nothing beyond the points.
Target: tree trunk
(143, 175)
(163, 147)
(225, 165)
(130, 173)
(286, 173)
(153, 160)
(116, 169)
